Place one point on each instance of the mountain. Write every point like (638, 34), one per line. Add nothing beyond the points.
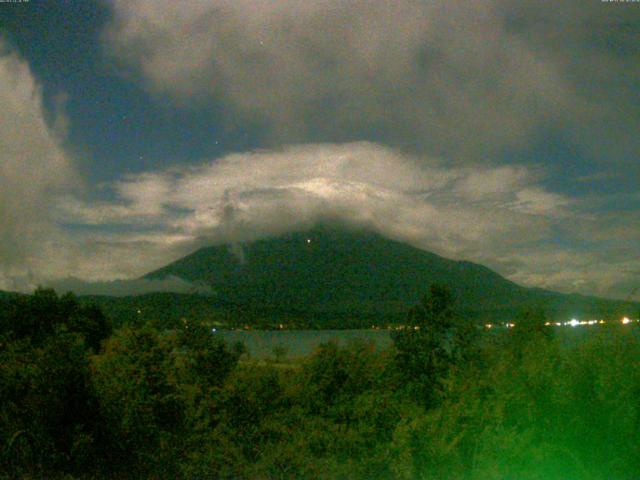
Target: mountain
(360, 277)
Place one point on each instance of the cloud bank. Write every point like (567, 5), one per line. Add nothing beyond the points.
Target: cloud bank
(243, 196)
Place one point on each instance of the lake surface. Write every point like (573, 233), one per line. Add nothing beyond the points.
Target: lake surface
(297, 343)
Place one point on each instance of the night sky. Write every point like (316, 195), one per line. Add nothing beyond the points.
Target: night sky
(505, 132)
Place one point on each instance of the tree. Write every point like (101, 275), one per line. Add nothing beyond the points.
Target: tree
(428, 345)
(142, 405)
(155, 389)
(48, 408)
(37, 317)
(91, 323)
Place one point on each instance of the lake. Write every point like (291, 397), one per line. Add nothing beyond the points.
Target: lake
(260, 343)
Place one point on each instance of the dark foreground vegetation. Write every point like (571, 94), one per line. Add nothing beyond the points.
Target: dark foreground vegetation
(449, 401)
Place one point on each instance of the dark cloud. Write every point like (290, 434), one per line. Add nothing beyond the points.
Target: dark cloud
(466, 80)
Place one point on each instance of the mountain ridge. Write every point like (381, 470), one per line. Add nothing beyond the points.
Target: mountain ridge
(355, 271)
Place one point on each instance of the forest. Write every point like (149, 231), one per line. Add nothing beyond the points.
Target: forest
(80, 399)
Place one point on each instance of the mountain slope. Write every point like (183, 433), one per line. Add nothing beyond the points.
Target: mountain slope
(351, 272)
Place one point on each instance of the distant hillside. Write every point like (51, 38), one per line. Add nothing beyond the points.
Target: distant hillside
(340, 272)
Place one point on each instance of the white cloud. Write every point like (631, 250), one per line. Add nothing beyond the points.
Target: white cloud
(34, 169)
(367, 183)
(588, 271)
(536, 201)
(493, 182)
(458, 212)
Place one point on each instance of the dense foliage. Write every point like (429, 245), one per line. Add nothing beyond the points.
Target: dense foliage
(448, 401)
